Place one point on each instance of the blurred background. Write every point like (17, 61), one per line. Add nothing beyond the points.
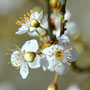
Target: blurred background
(10, 79)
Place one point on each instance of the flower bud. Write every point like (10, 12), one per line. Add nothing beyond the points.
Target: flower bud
(62, 17)
(52, 86)
(53, 3)
(58, 4)
(29, 56)
(35, 23)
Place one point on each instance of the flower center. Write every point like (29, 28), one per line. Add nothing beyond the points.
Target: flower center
(29, 56)
(35, 23)
(59, 54)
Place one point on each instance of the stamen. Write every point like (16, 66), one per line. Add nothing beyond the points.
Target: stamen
(8, 49)
(25, 18)
(70, 49)
(69, 64)
(31, 11)
(6, 53)
(8, 63)
(17, 68)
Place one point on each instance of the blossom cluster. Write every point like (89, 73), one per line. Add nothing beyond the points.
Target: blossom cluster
(53, 55)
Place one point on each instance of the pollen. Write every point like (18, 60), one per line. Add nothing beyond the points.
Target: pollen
(59, 54)
(17, 68)
(15, 63)
(70, 49)
(12, 50)
(25, 18)
(6, 53)
(15, 48)
(12, 65)
(8, 49)
(8, 63)
(69, 64)
(31, 11)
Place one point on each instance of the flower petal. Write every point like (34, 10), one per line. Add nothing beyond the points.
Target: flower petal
(73, 87)
(67, 15)
(49, 50)
(71, 29)
(32, 34)
(57, 33)
(32, 16)
(30, 46)
(63, 40)
(35, 63)
(22, 30)
(39, 17)
(62, 68)
(74, 54)
(24, 71)
(44, 63)
(15, 58)
(32, 28)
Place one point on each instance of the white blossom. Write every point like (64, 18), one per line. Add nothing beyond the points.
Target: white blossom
(31, 24)
(73, 87)
(60, 56)
(25, 57)
(71, 26)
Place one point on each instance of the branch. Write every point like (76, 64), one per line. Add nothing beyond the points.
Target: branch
(49, 22)
(62, 18)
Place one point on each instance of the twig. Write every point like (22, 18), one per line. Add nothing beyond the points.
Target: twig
(62, 18)
(52, 37)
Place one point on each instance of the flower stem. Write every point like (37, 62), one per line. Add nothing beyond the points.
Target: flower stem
(56, 78)
(62, 14)
(44, 28)
(41, 37)
(42, 48)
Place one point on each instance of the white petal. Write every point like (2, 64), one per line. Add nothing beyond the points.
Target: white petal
(52, 61)
(44, 22)
(74, 54)
(32, 33)
(22, 30)
(24, 71)
(62, 68)
(39, 17)
(49, 50)
(32, 16)
(36, 14)
(71, 29)
(44, 63)
(57, 33)
(73, 87)
(35, 63)
(30, 46)
(67, 15)
(63, 40)
(32, 28)
(15, 58)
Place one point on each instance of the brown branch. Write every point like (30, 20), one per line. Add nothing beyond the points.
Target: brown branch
(62, 18)
(52, 37)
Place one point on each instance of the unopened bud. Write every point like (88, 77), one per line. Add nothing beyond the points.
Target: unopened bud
(29, 56)
(53, 3)
(62, 17)
(58, 4)
(52, 86)
(35, 23)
